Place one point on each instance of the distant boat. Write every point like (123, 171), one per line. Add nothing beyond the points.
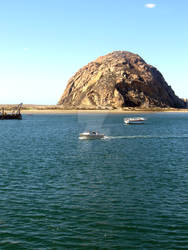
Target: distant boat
(91, 135)
(10, 116)
(15, 115)
(134, 120)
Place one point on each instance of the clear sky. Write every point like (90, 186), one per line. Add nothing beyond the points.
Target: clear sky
(44, 42)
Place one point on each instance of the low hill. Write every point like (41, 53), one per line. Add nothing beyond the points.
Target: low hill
(116, 80)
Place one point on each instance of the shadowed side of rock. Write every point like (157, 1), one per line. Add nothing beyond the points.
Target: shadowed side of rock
(116, 80)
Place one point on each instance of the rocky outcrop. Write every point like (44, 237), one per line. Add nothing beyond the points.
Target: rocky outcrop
(116, 80)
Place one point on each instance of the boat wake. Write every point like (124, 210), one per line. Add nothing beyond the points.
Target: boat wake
(145, 137)
(125, 137)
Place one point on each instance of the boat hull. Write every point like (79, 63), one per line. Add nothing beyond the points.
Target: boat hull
(91, 136)
(11, 117)
(138, 120)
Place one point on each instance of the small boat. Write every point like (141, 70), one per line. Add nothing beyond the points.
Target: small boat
(91, 135)
(134, 120)
(15, 115)
(5, 116)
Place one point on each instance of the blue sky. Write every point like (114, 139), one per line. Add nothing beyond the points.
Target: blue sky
(44, 42)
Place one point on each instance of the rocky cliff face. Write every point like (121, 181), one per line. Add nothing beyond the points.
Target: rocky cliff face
(116, 80)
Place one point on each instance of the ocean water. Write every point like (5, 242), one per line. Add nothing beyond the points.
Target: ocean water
(127, 191)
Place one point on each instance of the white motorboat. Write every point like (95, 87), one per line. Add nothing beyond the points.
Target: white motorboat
(134, 120)
(91, 135)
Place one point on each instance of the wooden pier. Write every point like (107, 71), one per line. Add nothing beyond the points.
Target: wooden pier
(14, 115)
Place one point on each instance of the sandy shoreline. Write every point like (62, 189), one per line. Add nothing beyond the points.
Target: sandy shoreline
(48, 111)
(58, 111)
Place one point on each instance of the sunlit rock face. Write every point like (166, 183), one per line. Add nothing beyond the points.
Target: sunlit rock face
(116, 80)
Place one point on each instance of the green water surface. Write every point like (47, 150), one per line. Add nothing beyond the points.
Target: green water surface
(127, 191)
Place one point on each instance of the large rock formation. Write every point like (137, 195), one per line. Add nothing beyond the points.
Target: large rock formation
(116, 80)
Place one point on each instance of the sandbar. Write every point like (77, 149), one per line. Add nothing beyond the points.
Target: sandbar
(58, 109)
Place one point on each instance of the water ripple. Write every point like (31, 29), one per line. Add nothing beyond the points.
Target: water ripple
(126, 191)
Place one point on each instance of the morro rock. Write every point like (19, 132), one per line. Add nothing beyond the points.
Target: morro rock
(116, 80)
